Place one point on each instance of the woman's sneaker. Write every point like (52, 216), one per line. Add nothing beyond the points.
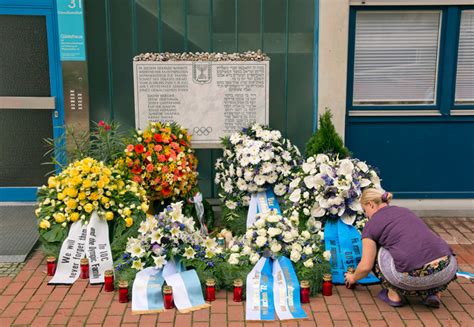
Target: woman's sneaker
(432, 301)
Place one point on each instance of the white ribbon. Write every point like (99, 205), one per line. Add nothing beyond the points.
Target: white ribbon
(72, 250)
(98, 249)
(147, 296)
(197, 200)
(91, 240)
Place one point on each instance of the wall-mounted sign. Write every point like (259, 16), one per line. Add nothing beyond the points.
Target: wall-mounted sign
(212, 99)
(71, 30)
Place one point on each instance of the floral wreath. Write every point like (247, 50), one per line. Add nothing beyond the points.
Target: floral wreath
(254, 159)
(161, 159)
(326, 187)
(83, 187)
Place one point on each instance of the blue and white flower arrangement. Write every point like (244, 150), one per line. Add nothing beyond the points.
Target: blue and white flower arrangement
(330, 188)
(170, 235)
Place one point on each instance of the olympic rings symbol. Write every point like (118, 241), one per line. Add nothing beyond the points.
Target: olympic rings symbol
(200, 131)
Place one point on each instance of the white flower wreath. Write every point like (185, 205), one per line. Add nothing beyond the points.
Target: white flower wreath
(253, 159)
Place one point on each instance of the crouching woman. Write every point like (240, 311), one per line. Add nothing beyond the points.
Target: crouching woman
(407, 257)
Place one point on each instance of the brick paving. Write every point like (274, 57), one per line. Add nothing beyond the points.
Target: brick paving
(26, 300)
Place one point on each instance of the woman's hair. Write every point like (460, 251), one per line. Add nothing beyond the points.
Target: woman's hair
(375, 195)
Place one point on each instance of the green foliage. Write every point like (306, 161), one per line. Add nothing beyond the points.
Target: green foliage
(235, 220)
(314, 275)
(326, 140)
(105, 142)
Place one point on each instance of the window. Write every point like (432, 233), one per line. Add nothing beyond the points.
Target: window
(395, 60)
(411, 61)
(465, 65)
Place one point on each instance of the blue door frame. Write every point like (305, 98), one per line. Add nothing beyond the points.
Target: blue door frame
(46, 8)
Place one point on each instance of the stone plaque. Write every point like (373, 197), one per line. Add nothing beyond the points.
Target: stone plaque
(211, 99)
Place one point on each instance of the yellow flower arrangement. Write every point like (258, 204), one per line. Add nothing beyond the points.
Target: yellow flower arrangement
(86, 186)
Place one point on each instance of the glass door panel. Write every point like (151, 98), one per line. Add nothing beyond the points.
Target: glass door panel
(26, 105)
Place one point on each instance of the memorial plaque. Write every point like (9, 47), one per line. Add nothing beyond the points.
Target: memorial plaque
(211, 99)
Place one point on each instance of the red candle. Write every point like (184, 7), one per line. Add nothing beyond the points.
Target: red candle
(304, 291)
(84, 268)
(210, 290)
(51, 265)
(351, 270)
(168, 297)
(109, 281)
(238, 290)
(327, 285)
(123, 291)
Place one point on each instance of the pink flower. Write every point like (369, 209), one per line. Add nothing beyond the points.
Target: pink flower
(161, 158)
(130, 148)
(158, 148)
(149, 167)
(101, 123)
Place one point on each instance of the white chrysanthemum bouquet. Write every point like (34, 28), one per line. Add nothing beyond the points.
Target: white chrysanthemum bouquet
(273, 235)
(254, 159)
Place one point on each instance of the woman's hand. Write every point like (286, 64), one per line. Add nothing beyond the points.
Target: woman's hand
(350, 279)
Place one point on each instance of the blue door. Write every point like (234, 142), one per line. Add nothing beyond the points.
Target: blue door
(30, 95)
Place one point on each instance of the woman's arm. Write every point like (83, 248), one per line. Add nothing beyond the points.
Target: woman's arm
(369, 251)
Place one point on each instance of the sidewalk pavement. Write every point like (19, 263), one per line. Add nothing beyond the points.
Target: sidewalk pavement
(27, 300)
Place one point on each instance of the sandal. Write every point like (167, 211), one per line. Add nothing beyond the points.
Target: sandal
(383, 295)
(432, 301)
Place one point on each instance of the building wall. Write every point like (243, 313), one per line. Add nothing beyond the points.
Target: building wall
(117, 30)
(419, 157)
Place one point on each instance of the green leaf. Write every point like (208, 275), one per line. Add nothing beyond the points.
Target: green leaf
(55, 234)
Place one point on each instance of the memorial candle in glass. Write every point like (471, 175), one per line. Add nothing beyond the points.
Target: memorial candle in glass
(51, 265)
(210, 290)
(109, 281)
(84, 268)
(238, 290)
(327, 285)
(351, 270)
(123, 291)
(168, 297)
(304, 291)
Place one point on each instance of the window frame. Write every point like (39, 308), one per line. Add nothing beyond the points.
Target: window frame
(458, 107)
(446, 67)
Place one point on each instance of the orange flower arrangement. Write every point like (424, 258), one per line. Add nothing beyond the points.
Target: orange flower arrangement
(160, 158)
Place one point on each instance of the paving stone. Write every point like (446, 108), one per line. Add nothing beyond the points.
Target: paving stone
(26, 299)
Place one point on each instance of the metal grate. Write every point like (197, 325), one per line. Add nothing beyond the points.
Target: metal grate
(18, 232)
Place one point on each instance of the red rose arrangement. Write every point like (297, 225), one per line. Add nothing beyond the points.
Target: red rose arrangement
(160, 158)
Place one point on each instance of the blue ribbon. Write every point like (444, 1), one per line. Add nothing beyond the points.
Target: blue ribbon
(153, 291)
(292, 280)
(345, 244)
(271, 201)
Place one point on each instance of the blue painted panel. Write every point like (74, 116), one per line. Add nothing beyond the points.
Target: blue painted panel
(418, 159)
(18, 194)
(27, 3)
